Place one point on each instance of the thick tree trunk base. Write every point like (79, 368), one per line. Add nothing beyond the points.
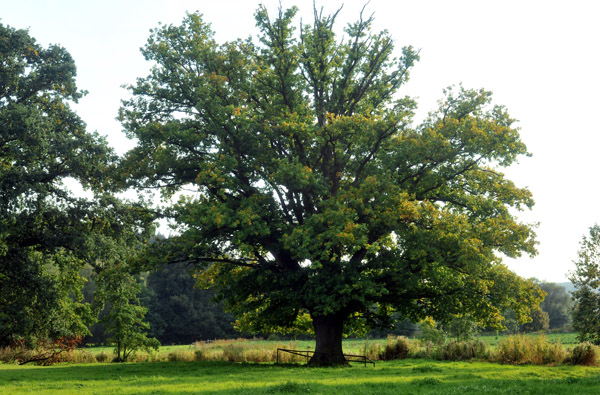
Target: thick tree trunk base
(328, 350)
(321, 360)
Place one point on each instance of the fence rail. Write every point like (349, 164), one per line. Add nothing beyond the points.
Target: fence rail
(307, 354)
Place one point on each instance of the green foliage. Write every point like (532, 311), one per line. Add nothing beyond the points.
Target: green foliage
(179, 312)
(39, 221)
(540, 321)
(586, 279)
(462, 327)
(124, 320)
(314, 193)
(46, 233)
(430, 331)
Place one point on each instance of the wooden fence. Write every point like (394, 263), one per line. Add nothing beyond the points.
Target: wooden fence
(307, 354)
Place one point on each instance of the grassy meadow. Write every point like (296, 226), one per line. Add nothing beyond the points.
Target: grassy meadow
(207, 367)
(408, 376)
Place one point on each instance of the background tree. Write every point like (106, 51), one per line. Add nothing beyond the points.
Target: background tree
(586, 279)
(46, 233)
(540, 321)
(558, 304)
(124, 320)
(401, 327)
(314, 196)
(462, 327)
(179, 312)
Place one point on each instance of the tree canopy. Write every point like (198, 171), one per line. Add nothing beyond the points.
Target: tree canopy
(308, 192)
(46, 232)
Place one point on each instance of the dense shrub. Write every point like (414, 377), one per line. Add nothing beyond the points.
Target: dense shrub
(529, 350)
(104, 357)
(463, 350)
(429, 332)
(584, 354)
(423, 349)
(181, 355)
(395, 348)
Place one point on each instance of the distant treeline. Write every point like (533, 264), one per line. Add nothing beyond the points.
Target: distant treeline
(181, 313)
(178, 312)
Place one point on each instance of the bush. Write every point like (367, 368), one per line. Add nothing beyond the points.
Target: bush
(422, 349)
(528, 350)
(181, 355)
(104, 357)
(584, 354)
(395, 348)
(431, 333)
(463, 350)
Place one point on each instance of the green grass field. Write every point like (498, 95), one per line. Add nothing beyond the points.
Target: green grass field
(395, 377)
(173, 375)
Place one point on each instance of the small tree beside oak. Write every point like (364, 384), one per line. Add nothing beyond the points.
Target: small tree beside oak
(124, 321)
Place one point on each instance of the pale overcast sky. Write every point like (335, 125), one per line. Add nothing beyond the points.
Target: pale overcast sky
(540, 58)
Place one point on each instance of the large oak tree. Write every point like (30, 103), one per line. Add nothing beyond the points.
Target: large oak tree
(308, 192)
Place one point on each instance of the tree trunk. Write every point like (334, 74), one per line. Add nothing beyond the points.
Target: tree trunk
(328, 331)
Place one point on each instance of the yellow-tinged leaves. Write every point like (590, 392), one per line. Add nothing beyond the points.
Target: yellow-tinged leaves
(286, 175)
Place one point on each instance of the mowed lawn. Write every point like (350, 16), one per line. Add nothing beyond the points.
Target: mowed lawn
(409, 376)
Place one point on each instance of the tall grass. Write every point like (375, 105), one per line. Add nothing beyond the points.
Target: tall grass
(528, 350)
(239, 350)
(517, 350)
(22, 355)
(585, 354)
